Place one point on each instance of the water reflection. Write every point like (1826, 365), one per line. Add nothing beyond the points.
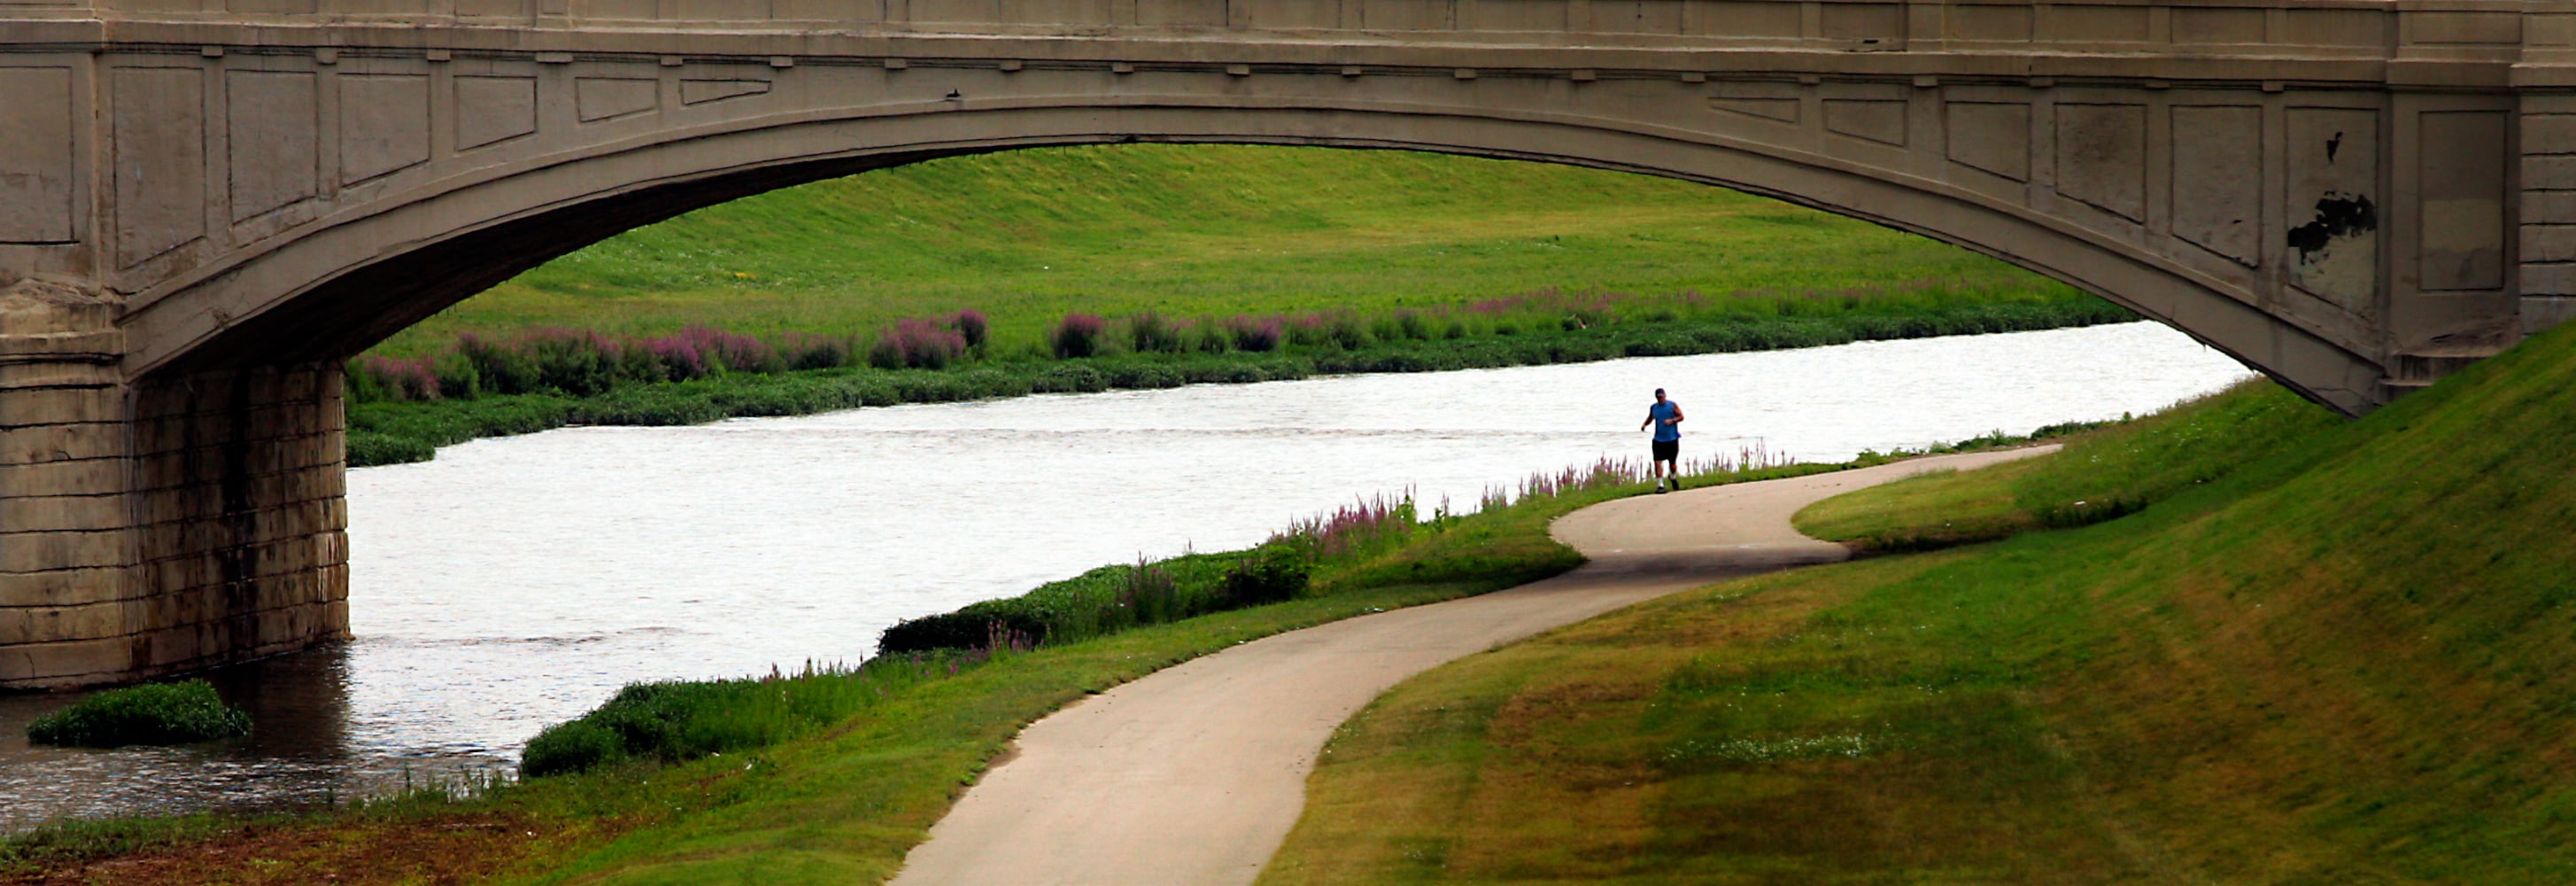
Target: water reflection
(516, 582)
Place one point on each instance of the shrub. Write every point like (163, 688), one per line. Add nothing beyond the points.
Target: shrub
(157, 713)
(731, 351)
(1078, 335)
(803, 351)
(972, 325)
(1150, 333)
(1271, 573)
(1144, 375)
(399, 379)
(576, 362)
(1255, 333)
(503, 370)
(678, 721)
(457, 378)
(1207, 337)
(679, 358)
(916, 344)
(1346, 332)
(1070, 378)
(577, 746)
(371, 448)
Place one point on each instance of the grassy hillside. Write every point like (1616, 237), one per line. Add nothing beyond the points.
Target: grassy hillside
(1027, 236)
(2349, 660)
(2101, 476)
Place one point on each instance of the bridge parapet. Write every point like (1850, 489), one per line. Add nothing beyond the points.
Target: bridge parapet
(2431, 30)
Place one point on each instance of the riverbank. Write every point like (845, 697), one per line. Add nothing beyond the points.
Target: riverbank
(395, 432)
(2312, 651)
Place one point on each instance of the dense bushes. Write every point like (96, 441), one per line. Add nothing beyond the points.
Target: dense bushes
(675, 721)
(1114, 598)
(155, 713)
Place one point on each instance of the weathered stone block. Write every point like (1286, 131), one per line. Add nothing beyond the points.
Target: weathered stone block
(2548, 279)
(2548, 243)
(50, 374)
(2542, 312)
(95, 476)
(2549, 173)
(53, 624)
(2549, 207)
(42, 551)
(65, 664)
(2549, 133)
(57, 513)
(52, 443)
(24, 407)
(67, 587)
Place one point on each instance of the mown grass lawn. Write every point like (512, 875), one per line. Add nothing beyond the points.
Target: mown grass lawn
(1207, 230)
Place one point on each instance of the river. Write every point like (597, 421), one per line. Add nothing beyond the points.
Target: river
(517, 582)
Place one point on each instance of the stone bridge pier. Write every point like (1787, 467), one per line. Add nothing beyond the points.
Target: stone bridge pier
(174, 522)
(207, 206)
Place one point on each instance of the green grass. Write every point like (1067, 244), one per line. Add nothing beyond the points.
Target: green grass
(153, 713)
(1190, 231)
(2101, 475)
(2350, 659)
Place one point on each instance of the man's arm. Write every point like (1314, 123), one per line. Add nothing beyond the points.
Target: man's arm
(1650, 419)
(1677, 413)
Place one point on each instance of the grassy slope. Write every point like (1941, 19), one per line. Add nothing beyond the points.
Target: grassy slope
(1027, 235)
(2102, 475)
(2350, 660)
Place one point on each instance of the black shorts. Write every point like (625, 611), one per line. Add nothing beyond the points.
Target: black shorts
(1668, 450)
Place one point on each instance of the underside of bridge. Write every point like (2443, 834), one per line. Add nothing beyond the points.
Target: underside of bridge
(205, 207)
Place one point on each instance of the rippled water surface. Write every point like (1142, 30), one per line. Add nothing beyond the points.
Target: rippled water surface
(517, 582)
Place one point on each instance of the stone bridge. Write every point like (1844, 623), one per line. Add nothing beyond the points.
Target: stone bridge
(207, 205)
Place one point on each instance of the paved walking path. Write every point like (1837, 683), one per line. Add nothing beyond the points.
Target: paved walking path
(1194, 774)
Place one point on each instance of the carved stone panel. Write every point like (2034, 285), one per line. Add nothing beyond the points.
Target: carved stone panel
(36, 155)
(1991, 136)
(2463, 212)
(600, 98)
(1770, 102)
(491, 109)
(159, 132)
(2102, 157)
(2333, 205)
(1881, 121)
(699, 91)
(2218, 180)
(384, 124)
(274, 120)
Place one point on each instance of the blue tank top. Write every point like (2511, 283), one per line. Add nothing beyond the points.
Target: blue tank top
(1665, 430)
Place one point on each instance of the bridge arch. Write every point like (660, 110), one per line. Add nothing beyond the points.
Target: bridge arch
(337, 288)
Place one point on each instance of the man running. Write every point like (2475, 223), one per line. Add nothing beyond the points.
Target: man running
(1666, 417)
